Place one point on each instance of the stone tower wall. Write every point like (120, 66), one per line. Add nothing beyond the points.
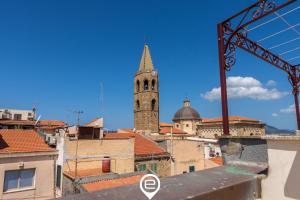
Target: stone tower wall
(146, 118)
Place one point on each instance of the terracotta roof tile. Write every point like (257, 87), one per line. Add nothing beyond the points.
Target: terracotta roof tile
(22, 141)
(163, 124)
(143, 146)
(113, 183)
(84, 172)
(231, 118)
(166, 130)
(217, 160)
(17, 122)
(51, 123)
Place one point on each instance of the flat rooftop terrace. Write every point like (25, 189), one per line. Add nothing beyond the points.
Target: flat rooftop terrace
(225, 182)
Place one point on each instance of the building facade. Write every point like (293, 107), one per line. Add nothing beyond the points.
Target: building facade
(146, 95)
(188, 119)
(27, 166)
(14, 114)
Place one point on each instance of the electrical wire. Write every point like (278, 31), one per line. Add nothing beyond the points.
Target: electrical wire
(262, 24)
(289, 51)
(293, 58)
(283, 43)
(278, 32)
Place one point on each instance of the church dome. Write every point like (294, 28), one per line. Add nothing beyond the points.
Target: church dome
(186, 112)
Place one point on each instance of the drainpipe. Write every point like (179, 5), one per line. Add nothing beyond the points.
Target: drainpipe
(55, 176)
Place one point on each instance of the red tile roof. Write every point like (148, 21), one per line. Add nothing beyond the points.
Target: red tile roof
(231, 118)
(143, 146)
(166, 130)
(22, 141)
(217, 160)
(84, 172)
(113, 183)
(17, 122)
(94, 123)
(163, 124)
(51, 123)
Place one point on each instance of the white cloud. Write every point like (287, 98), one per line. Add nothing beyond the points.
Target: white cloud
(289, 109)
(274, 115)
(271, 83)
(245, 87)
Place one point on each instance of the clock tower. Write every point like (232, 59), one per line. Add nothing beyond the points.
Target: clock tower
(146, 95)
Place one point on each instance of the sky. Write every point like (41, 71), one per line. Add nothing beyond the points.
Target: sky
(55, 55)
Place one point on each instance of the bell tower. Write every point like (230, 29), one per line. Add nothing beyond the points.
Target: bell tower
(146, 95)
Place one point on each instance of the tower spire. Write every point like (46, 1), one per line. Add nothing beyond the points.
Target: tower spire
(146, 61)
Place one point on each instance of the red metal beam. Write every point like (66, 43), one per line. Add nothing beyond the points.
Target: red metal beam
(231, 37)
(223, 79)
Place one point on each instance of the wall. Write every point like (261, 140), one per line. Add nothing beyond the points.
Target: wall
(186, 153)
(244, 150)
(237, 129)
(121, 152)
(25, 113)
(283, 178)
(44, 177)
(190, 129)
(163, 166)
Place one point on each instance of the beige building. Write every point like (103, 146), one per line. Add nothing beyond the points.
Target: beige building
(14, 114)
(238, 126)
(189, 120)
(91, 153)
(27, 166)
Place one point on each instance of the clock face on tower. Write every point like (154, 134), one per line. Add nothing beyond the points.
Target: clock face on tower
(154, 73)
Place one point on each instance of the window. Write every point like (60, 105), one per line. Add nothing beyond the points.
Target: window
(154, 167)
(17, 116)
(153, 102)
(191, 168)
(146, 85)
(153, 85)
(138, 105)
(58, 176)
(137, 86)
(142, 167)
(18, 179)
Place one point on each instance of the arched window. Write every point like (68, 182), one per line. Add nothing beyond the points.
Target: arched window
(153, 84)
(153, 102)
(146, 85)
(138, 105)
(137, 86)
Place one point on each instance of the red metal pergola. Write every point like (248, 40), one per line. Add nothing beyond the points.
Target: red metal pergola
(232, 35)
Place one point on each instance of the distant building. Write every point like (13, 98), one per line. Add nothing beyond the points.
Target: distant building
(146, 96)
(148, 155)
(188, 119)
(238, 126)
(14, 114)
(27, 166)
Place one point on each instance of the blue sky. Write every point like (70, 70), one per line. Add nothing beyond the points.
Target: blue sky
(55, 54)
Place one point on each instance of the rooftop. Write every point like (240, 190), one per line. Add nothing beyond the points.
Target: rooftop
(166, 130)
(143, 145)
(113, 183)
(231, 118)
(206, 184)
(22, 141)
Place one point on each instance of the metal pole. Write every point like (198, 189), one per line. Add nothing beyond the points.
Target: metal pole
(294, 82)
(223, 79)
(297, 107)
